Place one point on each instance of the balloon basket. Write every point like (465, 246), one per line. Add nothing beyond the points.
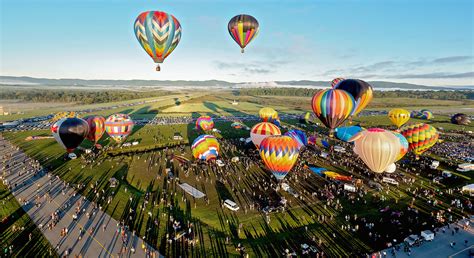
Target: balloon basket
(242, 51)
(158, 68)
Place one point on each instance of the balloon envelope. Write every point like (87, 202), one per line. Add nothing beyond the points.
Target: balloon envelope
(70, 132)
(119, 126)
(460, 119)
(279, 153)
(268, 114)
(420, 137)
(403, 145)
(261, 131)
(360, 90)
(96, 128)
(205, 147)
(399, 116)
(391, 168)
(204, 123)
(299, 136)
(332, 107)
(243, 29)
(346, 133)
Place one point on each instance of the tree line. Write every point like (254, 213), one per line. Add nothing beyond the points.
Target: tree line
(304, 92)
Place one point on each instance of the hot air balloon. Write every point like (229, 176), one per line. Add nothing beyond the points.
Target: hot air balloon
(158, 33)
(65, 114)
(415, 114)
(299, 136)
(313, 140)
(305, 118)
(262, 130)
(426, 114)
(332, 107)
(118, 127)
(205, 147)
(243, 28)
(96, 129)
(360, 90)
(399, 116)
(204, 123)
(279, 153)
(420, 137)
(377, 147)
(268, 114)
(70, 132)
(460, 119)
(346, 133)
(391, 168)
(335, 81)
(237, 125)
(403, 145)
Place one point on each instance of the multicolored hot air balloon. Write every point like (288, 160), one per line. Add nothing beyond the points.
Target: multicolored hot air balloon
(335, 81)
(346, 133)
(205, 147)
(426, 114)
(279, 153)
(65, 114)
(360, 90)
(332, 107)
(299, 136)
(399, 116)
(420, 137)
(377, 147)
(261, 131)
(268, 114)
(70, 132)
(118, 127)
(403, 144)
(243, 28)
(96, 128)
(460, 119)
(313, 140)
(158, 33)
(204, 123)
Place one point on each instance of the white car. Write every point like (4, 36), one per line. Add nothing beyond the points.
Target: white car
(231, 205)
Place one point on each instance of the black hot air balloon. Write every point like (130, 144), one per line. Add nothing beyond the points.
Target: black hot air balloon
(460, 119)
(70, 132)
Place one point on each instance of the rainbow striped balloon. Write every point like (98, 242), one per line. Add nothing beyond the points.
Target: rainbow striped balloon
(96, 128)
(119, 126)
(279, 153)
(420, 137)
(261, 131)
(332, 107)
(204, 123)
(243, 28)
(205, 147)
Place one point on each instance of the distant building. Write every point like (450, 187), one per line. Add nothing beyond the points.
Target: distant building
(177, 137)
(235, 103)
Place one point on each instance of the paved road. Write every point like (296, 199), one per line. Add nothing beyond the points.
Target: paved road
(97, 243)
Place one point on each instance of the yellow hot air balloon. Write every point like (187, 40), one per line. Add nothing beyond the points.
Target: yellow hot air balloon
(268, 114)
(399, 116)
(378, 148)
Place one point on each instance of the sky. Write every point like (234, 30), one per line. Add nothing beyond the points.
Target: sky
(428, 42)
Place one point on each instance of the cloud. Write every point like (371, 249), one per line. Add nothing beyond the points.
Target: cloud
(443, 75)
(253, 67)
(257, 70)
(451, 59)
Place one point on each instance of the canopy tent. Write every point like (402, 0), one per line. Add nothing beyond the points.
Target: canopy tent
(192, 191)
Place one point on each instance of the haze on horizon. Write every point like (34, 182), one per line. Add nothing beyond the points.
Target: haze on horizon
(421, 42)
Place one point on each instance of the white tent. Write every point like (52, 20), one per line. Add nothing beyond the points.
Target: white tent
(468, 188)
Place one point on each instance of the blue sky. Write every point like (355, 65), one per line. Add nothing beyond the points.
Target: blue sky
(428, 42)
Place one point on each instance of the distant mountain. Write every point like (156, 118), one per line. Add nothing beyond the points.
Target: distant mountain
(30, 81)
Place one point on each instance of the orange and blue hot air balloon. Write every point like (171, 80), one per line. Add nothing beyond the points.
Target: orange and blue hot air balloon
(118, 127)
(299, 136)
(204, 123)
(420, 137)
(279, 153)
(332, 107)
(243, 28)
(158, 33)
(96, 128)
(360, 90)
(205, 147)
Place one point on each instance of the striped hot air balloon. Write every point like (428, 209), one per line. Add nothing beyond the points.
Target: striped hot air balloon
(332, 107)
(420, 137)
(399, 116)
(299, 136)
(204, 123)
(243, 28)
(261, 131)
(360, 90)
(96, 128)
(279, 153)
(158, 33)
(118, 127)
(205, 147)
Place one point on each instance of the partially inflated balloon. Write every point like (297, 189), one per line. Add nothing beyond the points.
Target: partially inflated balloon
(403, 145)
(335, 81)
(420, 137)
(332, 107)
(360, 90)
(460, 119)
(205, 123)
(70, 132)
(243, 28)
(158, 33)
(205, 147)
(377, 147)
(262, 130)
(96, 128)
(426, 114)
(399, 116)
(299, 136)
(346, 133)
(279, 153)
(119, 126)
(268, 114)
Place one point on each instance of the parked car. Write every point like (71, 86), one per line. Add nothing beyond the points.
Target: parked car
(231, 205)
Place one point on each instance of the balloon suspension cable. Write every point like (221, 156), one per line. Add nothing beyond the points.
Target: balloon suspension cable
(158, 68)
(242, 50)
